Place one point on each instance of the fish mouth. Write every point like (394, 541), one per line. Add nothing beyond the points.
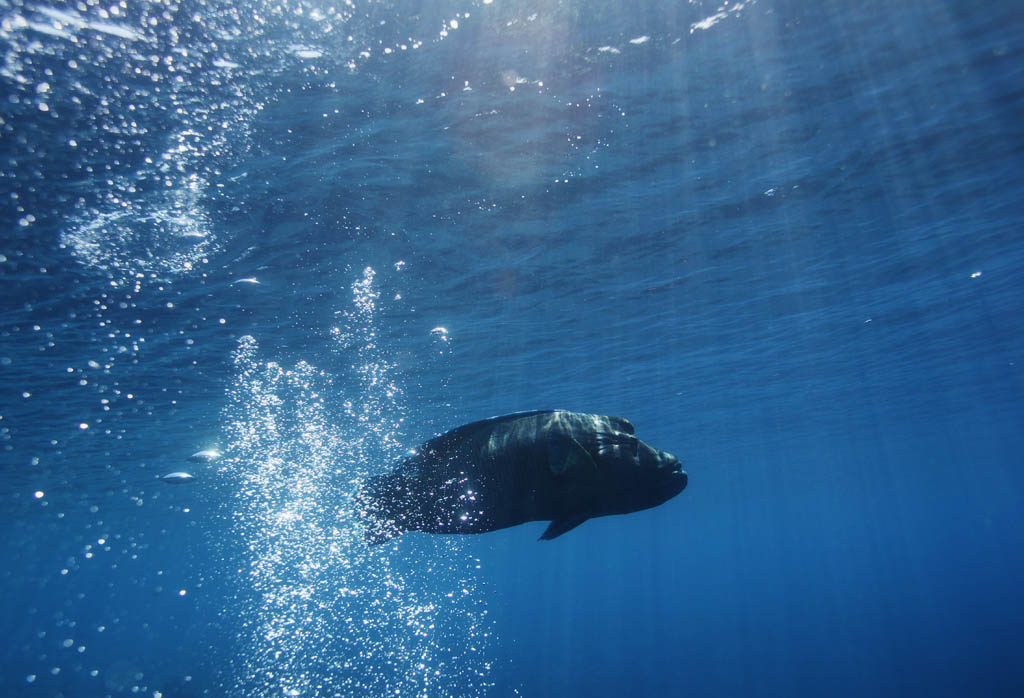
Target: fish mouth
(673, 463)
(675, 468)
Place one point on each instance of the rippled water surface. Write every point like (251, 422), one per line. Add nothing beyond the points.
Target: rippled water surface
(784, 239)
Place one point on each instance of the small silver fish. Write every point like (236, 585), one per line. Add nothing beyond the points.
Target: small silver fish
(178, 478)
(207, 456)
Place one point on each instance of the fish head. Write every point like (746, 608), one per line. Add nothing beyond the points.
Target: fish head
(636, 476)
(660, 475)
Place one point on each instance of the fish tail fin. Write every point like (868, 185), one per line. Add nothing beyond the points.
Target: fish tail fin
(378, 532)
(379, 524)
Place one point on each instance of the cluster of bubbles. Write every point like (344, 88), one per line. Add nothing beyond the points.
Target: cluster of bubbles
(169, 235)
(325, 614)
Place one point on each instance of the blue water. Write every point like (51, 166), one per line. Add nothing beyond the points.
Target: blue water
(784, 239)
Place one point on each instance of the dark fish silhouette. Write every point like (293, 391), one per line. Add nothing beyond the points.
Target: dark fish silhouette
(552, 465)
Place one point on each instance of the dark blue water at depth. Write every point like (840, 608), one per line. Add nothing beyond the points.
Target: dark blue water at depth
(784, 239)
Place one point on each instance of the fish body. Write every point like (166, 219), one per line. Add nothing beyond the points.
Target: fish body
(551, 465)
(178, 478)
(208, 455)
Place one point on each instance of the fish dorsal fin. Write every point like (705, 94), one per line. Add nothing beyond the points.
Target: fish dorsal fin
(466, 429)
(501, 418)
(560, 526)
(565, 454)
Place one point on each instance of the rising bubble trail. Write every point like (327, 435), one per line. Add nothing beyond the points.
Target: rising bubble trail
(322, 613)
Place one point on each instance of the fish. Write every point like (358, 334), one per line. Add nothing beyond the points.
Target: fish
(546, 465)
(178, 478)
(206, 456)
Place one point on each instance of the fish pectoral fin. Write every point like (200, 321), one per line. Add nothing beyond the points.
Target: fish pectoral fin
(560, 526)
(565, 454)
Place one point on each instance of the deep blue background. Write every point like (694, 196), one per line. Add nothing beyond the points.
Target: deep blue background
(786, 246)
